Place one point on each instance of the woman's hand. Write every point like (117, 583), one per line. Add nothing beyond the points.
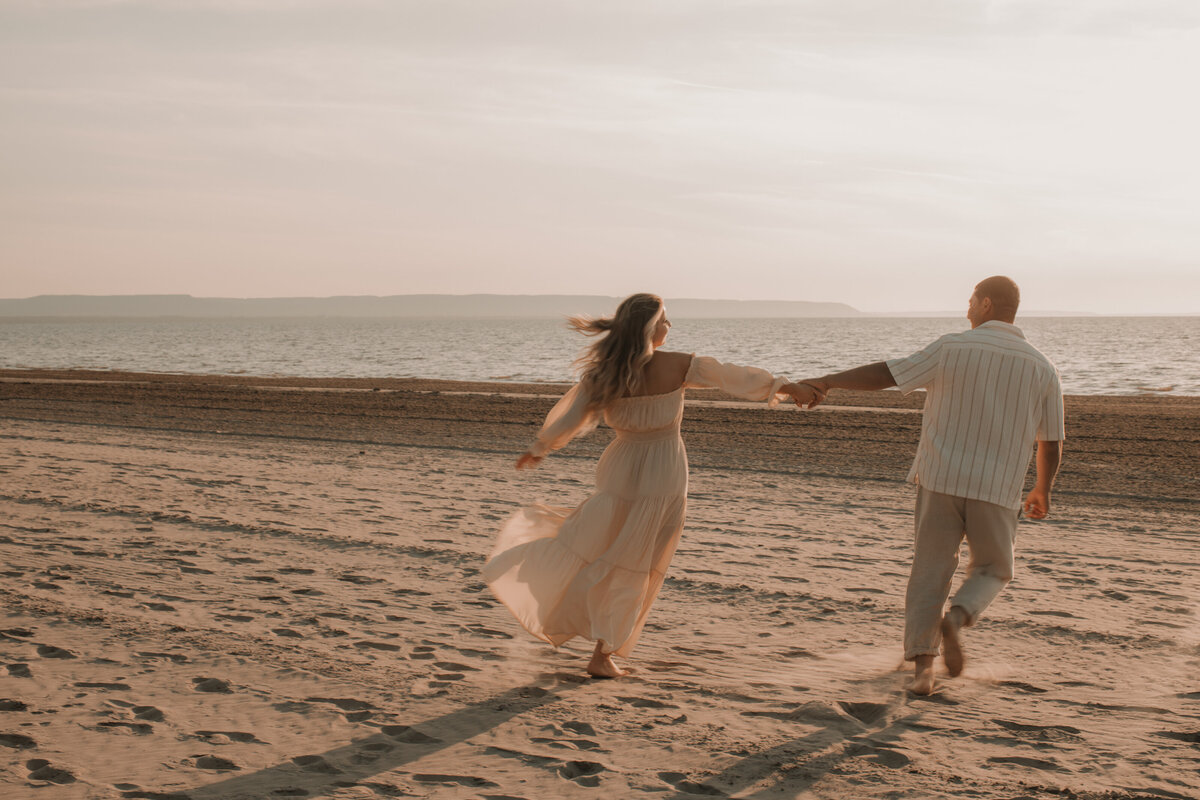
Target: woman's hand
(528, 461)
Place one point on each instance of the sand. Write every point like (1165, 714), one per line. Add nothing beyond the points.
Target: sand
(251, 588)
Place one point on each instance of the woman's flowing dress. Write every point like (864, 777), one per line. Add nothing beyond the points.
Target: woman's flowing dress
(594, 571)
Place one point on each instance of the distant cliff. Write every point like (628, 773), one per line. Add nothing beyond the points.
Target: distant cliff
(404, 305)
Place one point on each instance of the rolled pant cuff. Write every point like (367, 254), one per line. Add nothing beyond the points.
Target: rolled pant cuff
(911, 655)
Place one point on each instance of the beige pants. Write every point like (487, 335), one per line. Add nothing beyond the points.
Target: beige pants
(942, 521)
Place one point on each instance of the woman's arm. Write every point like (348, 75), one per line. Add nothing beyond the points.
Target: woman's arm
(569, 418)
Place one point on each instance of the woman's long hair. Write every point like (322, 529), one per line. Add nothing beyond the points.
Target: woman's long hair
(612, 367)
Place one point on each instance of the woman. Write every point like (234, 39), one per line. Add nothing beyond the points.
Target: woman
(595, 571)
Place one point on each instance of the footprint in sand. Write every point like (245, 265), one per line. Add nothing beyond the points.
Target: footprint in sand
(213, 762)
(148, 713)
(646, 702)
(235, 617)
(12, 705)
(369, 645)
(481, 655)
(360, 580)
(225, 737)
(480, 630)
(139, 728)
(1024, 687)
(460, 780)
(41, 770)
(19, 671)
(50, 651)
(1023, 761)
(1044, 733)
(177, 658)
(585, 773)
(344, 703)
(582, 728)
(867, 713)
(211, 685)
(681, 783)
(17, 741)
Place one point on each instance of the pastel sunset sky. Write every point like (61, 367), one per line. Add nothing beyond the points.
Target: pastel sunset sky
(879, 153)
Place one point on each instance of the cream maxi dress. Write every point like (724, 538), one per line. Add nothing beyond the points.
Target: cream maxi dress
(595, 570)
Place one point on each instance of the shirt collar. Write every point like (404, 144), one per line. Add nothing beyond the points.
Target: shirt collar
(1003, 326)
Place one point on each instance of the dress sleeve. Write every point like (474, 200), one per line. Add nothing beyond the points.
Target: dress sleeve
(569, 418)
(750, 383)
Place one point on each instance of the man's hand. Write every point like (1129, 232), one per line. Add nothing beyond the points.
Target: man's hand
(1049, 455)
(1037, 503)
(528, 461)
(819, 385)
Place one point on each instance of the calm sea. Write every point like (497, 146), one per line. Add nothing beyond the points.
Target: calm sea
(1096, 355)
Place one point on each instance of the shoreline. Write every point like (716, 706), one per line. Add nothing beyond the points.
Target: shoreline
(1119, 449)
(892, 397)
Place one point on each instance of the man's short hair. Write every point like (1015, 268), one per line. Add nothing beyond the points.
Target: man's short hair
(1003, 293)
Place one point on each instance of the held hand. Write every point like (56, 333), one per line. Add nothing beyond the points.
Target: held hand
(528, 461)
(818, 388)
(1037, 504)
(804, 394)
(820, 385)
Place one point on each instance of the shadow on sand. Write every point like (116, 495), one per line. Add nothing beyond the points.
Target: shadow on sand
(844, 730)
(392, 747)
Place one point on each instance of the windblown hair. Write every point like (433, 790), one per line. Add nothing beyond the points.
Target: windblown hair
(1003, 293)
(612, 366)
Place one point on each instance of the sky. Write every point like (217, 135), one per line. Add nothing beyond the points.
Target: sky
(883, 154)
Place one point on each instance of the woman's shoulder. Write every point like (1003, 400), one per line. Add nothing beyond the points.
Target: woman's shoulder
(671, 366)
(668, 358)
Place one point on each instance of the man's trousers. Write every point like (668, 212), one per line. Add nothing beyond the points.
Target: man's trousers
(942, 521)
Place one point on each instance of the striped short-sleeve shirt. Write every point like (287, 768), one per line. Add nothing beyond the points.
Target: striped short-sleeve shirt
(989, 396)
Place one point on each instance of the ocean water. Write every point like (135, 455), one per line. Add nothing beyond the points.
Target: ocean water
(1095, 355)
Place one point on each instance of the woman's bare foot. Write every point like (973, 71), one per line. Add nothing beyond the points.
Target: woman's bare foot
(952, 651)
(922, 676)
(602, 665)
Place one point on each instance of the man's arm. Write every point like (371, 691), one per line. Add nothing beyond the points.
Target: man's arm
(1049, 456)
(868, 378)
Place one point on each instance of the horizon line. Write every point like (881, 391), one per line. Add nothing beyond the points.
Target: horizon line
(911, 313)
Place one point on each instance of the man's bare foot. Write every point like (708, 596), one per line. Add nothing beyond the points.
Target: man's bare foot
(951, 643)
(922, 676)
(602, 665)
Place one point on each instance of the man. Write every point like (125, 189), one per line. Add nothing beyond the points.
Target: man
(990, 395)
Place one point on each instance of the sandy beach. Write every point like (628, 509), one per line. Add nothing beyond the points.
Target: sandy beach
(234, 587)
